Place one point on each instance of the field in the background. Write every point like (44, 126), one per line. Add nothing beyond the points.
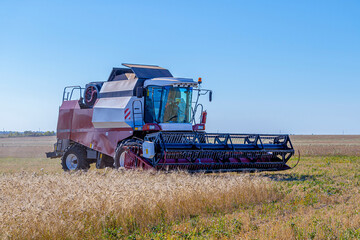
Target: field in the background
(327, 145)
(311, 145)
(319, 199)
(26, 147)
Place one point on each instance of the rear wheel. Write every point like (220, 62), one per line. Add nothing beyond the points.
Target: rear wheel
(74, 159)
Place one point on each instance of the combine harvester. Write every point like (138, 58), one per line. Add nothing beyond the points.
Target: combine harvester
(143, 117)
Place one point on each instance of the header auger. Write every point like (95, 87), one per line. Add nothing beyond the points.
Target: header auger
(143, 117)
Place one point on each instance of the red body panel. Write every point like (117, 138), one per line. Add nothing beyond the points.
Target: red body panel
(76, 124)
(65, 119)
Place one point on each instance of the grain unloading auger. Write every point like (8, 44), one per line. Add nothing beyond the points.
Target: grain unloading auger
(143, 117)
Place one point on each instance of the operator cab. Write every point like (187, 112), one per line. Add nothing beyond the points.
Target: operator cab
(168, 103)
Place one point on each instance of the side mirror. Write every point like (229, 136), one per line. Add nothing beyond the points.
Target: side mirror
(210, 96)
(139, 92)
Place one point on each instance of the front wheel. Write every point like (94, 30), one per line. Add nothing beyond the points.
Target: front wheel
(74, 159)
(123, 158)
(119, 159)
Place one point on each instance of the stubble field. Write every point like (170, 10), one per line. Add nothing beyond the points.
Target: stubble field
(319, 199)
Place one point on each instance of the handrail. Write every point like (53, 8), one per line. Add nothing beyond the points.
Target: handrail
(200, 92)
(195, 111)
(70, 93)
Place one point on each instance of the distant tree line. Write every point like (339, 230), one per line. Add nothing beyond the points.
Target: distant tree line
(26, 133)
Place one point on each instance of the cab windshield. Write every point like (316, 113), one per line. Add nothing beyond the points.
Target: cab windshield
(168, 104)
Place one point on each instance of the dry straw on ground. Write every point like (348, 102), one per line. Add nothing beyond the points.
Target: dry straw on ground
(82, 205)
(319, 199)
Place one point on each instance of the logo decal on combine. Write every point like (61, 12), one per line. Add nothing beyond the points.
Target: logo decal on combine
(127, 114)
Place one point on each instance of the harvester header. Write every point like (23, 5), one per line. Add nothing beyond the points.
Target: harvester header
(143, 117)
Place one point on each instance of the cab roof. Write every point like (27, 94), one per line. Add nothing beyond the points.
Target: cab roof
(167, 81)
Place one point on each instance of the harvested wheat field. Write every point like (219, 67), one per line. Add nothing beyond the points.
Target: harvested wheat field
(319, 199)
(327, 145)
(26, 147)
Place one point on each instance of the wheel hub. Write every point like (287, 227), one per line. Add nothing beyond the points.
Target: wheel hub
(72, 161)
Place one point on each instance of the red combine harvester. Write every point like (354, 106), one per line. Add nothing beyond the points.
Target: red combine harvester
(143, 117)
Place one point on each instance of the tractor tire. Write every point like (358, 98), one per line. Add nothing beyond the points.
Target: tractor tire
(74, 158)
(120, 158)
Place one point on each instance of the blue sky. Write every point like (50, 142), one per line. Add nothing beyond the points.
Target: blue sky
(274, 66)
